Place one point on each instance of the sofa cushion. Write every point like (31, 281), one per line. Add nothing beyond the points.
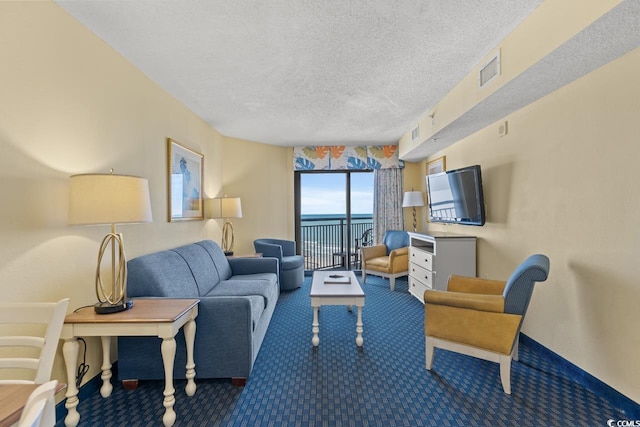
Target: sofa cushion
(220, 261)
(161, 274)
(262, 284)
(264, 277)
(201, 266)
(292, 262)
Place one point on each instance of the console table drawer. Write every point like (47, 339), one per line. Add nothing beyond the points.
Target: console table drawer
(417, 288)
(421, 258)
(421, 274)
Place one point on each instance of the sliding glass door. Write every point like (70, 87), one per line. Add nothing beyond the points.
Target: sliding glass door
(333, 210)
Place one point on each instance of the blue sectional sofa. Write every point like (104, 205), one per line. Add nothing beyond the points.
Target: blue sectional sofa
(237, 299)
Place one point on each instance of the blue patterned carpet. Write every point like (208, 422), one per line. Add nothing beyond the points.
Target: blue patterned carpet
(382, 384)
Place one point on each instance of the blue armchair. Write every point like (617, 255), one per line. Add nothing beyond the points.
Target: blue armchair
(291, 265)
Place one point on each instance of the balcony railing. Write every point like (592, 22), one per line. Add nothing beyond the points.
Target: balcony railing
(324, 241)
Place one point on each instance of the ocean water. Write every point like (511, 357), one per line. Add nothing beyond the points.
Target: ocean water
(317, 219)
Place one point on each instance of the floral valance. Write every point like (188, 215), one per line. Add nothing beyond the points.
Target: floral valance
(346, 158)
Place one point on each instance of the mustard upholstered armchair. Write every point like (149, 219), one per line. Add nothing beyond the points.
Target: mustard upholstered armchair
(389, 259)
(482, 318)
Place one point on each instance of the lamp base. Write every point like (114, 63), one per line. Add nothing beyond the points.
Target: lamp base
(107, 308)
(227, 238)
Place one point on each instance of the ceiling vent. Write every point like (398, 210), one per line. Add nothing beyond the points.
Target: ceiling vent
(490, 69)
(415, 133)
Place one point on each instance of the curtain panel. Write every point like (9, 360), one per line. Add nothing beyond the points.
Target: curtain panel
(387, 202)
(346, 158)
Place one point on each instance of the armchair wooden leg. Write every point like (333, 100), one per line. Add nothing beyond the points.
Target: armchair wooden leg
(429, 348)
(364, 275)
(516, 348)
(505, 373)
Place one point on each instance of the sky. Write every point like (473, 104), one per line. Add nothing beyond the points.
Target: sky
(324, 193)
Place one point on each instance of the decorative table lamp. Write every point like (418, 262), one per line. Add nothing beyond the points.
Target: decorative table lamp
(227, 207)
(98, 199)
(413, 199)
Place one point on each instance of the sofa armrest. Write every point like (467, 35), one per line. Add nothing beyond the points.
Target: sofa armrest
(270, 250)
(224, 328)
(399, 260)
(369, 252)
(227, 314)
(475, 285)
(400, 251)
(492, 303)
(253, 265)
(288, 247)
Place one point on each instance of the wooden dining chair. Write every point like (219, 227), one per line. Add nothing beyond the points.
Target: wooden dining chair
(40, 411)
(20, 332)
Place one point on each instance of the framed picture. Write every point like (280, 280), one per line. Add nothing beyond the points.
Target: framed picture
(185, 177)
(436, 166)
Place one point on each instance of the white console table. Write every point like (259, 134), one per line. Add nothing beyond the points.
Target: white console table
(434, 256)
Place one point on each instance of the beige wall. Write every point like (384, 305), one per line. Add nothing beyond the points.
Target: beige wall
(563, 182)
(262, 176)
(70, 104)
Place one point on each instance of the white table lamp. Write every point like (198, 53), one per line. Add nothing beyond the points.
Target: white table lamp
(413, 199)
(225, 208)
(99, 199)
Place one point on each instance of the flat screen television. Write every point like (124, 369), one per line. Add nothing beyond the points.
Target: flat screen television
(456, 196)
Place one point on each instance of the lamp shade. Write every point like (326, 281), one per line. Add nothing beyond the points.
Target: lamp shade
(224, 207)
(412, 199)
(108, 199)
(231, 207)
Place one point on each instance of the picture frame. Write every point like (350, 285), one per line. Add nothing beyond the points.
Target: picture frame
(436, 166)
(185, 175)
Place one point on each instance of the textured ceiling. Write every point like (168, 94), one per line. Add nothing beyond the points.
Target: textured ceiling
(305, 72)
(612, 35)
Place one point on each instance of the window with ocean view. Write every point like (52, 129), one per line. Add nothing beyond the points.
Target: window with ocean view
(335, 209)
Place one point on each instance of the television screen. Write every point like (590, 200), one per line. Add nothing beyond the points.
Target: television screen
(456, 196)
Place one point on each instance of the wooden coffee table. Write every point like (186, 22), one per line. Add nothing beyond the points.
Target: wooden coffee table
(336, 294)
(159, 317)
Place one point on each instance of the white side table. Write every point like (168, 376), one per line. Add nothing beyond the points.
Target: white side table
(160, 317)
